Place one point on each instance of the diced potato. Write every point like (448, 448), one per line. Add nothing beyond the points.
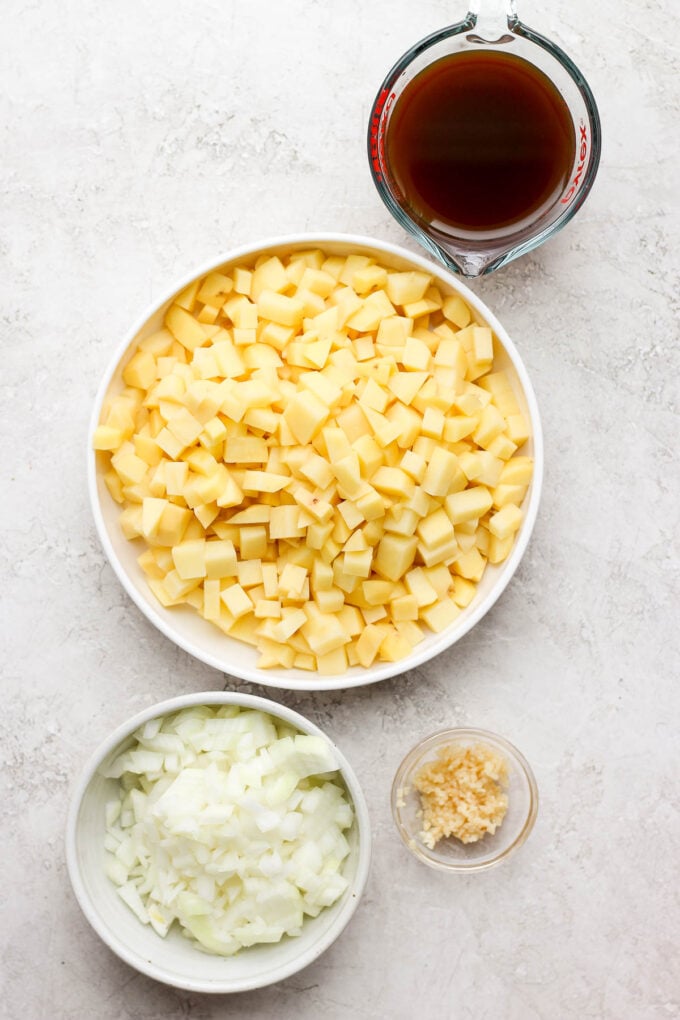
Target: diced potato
(518, 429)
(435, 529)
(106, 438)
(506, 521)
(184, 327)
(469, 504)
(395, 555)
(416, 355)
(442, 472)
(456, 311)
(403, 288)
(286, 311)
(470, 565)
(440, 614)
(220, 559)
(140, 370)
(237, 601)
(517, 471)
(321, 477)
(189, 559)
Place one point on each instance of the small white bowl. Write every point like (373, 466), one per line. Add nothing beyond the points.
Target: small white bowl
(174, 960)
(185, 626)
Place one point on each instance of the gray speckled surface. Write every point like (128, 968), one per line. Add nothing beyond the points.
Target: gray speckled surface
(139, 140)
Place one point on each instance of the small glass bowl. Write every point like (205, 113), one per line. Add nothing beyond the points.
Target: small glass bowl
(450, 854)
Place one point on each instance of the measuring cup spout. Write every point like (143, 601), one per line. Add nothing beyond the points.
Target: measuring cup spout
(492, 18)
(468, 264)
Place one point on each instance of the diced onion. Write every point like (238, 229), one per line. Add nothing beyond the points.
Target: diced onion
(229, 823)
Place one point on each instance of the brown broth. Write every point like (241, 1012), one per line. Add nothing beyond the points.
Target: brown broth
(480, 141)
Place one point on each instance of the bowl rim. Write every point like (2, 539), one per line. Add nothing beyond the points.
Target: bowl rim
(418, 751)
(451, 634)
(109, 936)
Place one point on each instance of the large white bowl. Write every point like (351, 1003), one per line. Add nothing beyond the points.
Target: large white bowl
(182, 624)
(174, 960)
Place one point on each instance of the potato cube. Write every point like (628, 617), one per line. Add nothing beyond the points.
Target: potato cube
(253, 542)
(291, 621)
(189, 559)
(264, 481)
(456, 311)
(245, 450)
(469, 504)
(304, 415)
(394, 482)
(366, 278)
(482, 344)
(506, 521)
(518, 429)
(517, 471)
(152, 512)
(353, 423)
(405, 607)
(405, 385)
(416, 355)
(404, 424)
(504, 494)
(374, 396)
(140, 370)
(394, 647)
(358, 563)
(395, 555)
(463, 591)
(249, 573)
(324, 632)
(173, 523)
(502, 447)
(401, 520)
(470, 565)
(237, 601)
(491, 424)
(368, 644)
(404, 288)
(106, 438)
(130, 468)
(231, 494)
(414, 465)
(440, 615)
(332, 663)
(435, 529)
(220, 558)
(286, 311)
(184, 327)
(330, 600)
(433, 423)
(442, 472)
(268, 609)
(292, 580)
(283, 522)
(419, 587)
(115, 486)
(499, 548)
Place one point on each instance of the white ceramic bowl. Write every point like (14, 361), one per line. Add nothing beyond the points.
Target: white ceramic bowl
(174, 960)
(206, 642)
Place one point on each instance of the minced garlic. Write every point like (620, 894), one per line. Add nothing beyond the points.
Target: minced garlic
(461, 793)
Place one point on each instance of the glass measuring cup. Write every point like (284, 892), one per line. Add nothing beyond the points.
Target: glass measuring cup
(474, 253)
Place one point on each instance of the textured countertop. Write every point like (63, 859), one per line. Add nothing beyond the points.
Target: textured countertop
(139, 140)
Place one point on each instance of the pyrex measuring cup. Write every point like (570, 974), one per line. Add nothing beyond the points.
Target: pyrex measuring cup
(478, 252)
